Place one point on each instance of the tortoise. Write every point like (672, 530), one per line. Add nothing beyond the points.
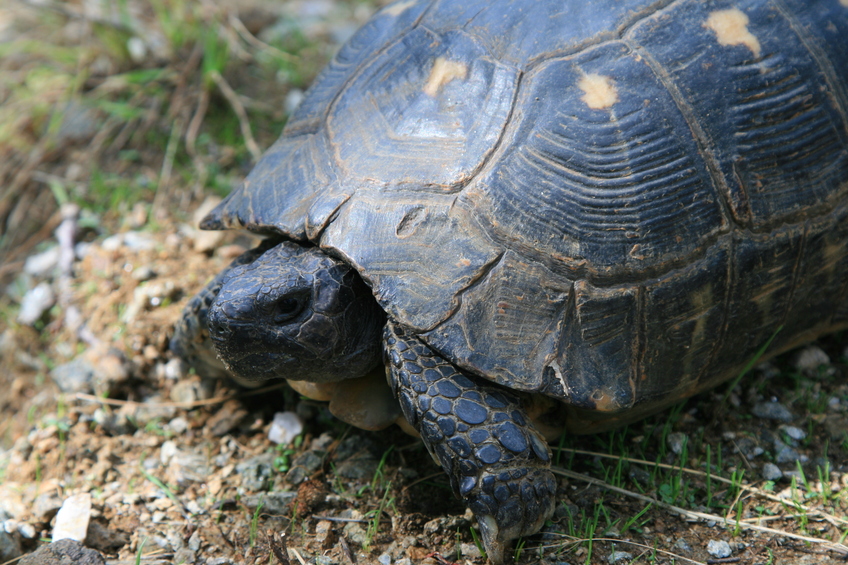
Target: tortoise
(541, 216)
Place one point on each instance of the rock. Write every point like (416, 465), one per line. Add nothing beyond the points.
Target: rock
(143, 273)
(115, 423)
(358, 468)
(100, 369)
(285, 427)
(384, 559)
(185, 555)
(79, 122)
(772, 411)
(73, 518)
(43, 264)
(10, 547)
(772, 472)
(676, 441)
(192, 390)
(785, 454)
(135, 240)
(683, 546)
(103, 539)
(303, 465)
(256, 471)
(226, 418)
(794, 433)
(35, 303)
(619, 556)
(469, 551)
(178, 425)
(46, 506)
(719, 549)
(276, 503)
(810, 359)
(183, 465)
(63, 552)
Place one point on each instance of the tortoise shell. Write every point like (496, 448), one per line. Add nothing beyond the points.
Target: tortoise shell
(615, 203)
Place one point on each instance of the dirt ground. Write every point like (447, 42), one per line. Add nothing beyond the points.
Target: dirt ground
(179, 467)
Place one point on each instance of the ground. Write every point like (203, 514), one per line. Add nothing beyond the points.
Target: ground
(118, 128)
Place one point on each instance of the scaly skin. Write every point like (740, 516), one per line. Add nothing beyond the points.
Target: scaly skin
(480, 435)
(290, 311)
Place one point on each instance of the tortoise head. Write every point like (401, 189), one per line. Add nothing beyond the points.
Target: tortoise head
(296, 313)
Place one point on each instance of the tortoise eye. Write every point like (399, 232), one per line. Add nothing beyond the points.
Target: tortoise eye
(286, 309)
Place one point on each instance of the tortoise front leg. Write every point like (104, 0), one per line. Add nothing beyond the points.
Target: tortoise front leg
(496, 460)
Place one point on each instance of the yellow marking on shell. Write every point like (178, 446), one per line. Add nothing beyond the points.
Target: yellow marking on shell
(399, 8)
(844, 3)
(604, 401)
(598, 91)
(731, 28)
(443, 72)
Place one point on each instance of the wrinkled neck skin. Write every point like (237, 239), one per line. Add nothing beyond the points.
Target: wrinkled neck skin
(296, 313)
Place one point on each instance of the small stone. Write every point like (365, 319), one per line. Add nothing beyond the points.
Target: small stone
(719, 549)
(72, 518)
(682, 546)
(185, 556)
(175, 369)
(44, 263)
(115, 423)
(184, 466)
(194, 542)
(256, 471)
(143, 273)
(785, 454)
(61, 552)
(10, 547)
(46, 506)
(384, 559)
(619, 556)
(639, 475)
(810, 359)
(35, 303)
(676, 441)
(138, 53)
(293, 99)
(178, 425)
(772, 472)
(772, 411)
(795, 433)
(27, 531)
(285, 427)
(324, 534)
(274, 503)
(469, 551)
(207, 241)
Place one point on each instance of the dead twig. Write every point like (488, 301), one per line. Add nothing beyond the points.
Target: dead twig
(185, 405)
(700, 516)
(238, 108)
(647, 548)
(257, 43)
(835, 520)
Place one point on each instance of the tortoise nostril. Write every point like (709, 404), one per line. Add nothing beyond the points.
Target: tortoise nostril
(216, 322)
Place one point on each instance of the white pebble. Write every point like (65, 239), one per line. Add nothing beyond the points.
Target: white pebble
(719, 549)
(285, 427)
(73, 517)
(35, 302)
